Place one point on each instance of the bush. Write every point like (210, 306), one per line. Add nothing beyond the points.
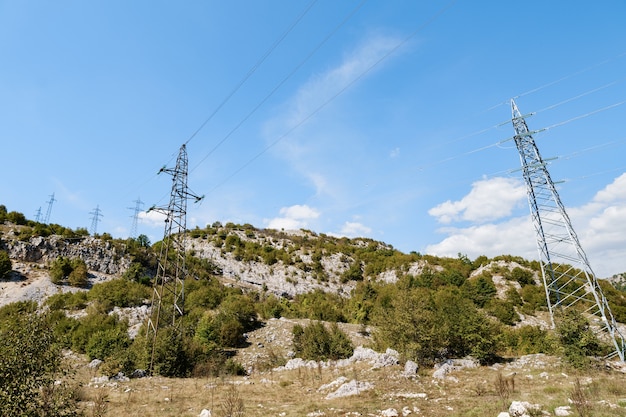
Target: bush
(74, 271)
(503, 311)
(5, 264)
(171, 359)
(30, 363)
(480, 289)
(528, 340)
(105, 343)
(576, 338)
(315, 342)
(429, 326)
(67, 301)
(119, 293)
(523, 276)
(219, 330)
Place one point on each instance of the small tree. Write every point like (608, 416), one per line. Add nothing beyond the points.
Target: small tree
(30, 363)
(74, 271)
(318, 343)
(5, 264)
(576, 338)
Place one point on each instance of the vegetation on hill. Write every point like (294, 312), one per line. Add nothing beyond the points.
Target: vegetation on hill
(433, 309)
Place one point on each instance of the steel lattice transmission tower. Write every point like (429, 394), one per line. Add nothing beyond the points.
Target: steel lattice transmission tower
(567, 276)
(169, 290)
(46, 219)
(96, 214)
(136, 210)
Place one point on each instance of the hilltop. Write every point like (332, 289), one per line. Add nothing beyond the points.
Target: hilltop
(251, 289)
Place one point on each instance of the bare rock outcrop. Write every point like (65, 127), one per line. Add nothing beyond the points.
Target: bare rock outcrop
(99, 256)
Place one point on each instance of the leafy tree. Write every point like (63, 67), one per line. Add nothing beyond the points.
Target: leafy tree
(119, 293)
(316, 342)
(60, 269)
(5, 264)
(30, 363)
(576, 338)
(480, 289)
(427, 326)
(143, 241)
(523, 276)
(3, 213)
(16, 218)
(74, 271)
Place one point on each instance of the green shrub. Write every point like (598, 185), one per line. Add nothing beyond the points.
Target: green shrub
(428, 326)
(60, 269)
(74, 271)
(316, 342)
(528, 340)
(30, 363)
(67, 301)
(480, 289)
(78, 276)
(219, 330)
(503, 311)
(119, 293)
(523, 276)
(108, 342)
(576, 338)
(5, 264)
(89, 325)
(171, 359)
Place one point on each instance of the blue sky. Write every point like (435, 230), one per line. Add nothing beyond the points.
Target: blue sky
(381, 119)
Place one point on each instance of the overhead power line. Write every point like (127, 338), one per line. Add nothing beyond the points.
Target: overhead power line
(337, 94)
(253, 69)
(282, 82)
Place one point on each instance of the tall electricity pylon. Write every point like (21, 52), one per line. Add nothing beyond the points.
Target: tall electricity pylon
(567, 276)
(136, 210)
(168, 294)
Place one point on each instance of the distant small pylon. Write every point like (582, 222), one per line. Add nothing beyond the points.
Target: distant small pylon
(137, 210)
(96, 214)
(38, 215)
(46, 220)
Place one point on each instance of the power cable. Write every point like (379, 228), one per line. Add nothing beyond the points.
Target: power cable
(334, 96)
(253, 69)
(281, 83)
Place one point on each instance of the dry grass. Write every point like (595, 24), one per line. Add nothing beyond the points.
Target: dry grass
(296, 393)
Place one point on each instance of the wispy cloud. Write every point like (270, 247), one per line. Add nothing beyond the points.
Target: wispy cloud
(309, 149)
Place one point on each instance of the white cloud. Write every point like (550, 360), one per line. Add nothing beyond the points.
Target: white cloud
(488, 200)
(394, 153)
(515, 236)
(600, 225)
(355, 229)
(293, 218)
(614, 192)
(151, 218)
